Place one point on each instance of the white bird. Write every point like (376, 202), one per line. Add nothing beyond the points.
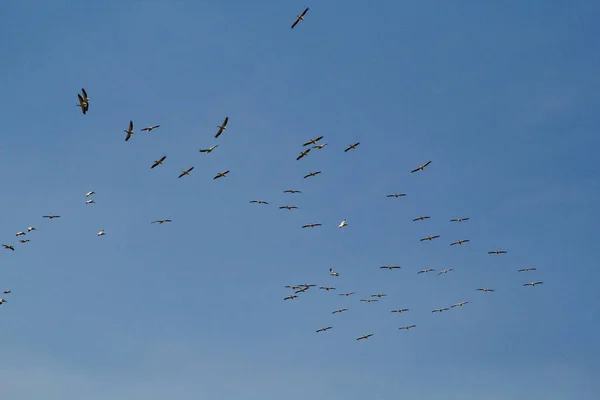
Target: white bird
(441, 309)
(342, 224)
(445, 271)
(485, 290)
(424, 271)
(319, 146)
(459, 219)
(333, 273)
(2, 301)
(462, 303)
(101, 233)
(20, 233)
(31, 228)
(88, 194)
(532, 284)
(210, 149)
(149, 129)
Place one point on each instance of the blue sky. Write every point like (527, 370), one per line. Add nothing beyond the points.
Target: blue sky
(501, 97)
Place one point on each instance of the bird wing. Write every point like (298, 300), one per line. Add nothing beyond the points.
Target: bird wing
(304, 12)
(131, 125)
(84, 93)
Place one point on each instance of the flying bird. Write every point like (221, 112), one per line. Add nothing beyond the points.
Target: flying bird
(324, 329)
(430, 238)
(497, 252)
(210, 149)
(421, 168)
(445, 271)
(346, 294)
(304, 153)
(7, 292)
(88, 194)
(390, 267)
(379, 295)
(291, 191)
(158, 162)
(23, 240)
(20, 233)
(2, 301)
(440, 309)
(364, 336)
(339, 310)
(407, 327)
(258, 202)
(129, 131)
(527, 269)
(328, 288)
(532, 284)
(51, 216)
(400, 310)
(343, 223)
(221, 174)
(312, 174)
(485, 290)
(8, 247)
(313, 141)
(288, 207)
(368, 300)
(459, 219)
(161, 221)
(292, 297)
(149, 129)
(101, 233)
(424, 271)
(300, 17)
(83, 104)
(462, 303)
(396, 195)
(460, 242)
(31, 228)
(90, 201)
(319, 146)
(421, 218)
(186, 172)
(222, 127)
(351, 147)
(333, 273)
(311, 225)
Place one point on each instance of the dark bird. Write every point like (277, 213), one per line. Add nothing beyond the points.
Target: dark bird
(421, 218)
(390, 267)
(346, 294)
(533, 283)
(158, 162)
(186, 172)
(497, 252)
(460, 242)
(51, 216)
(311, 225)
(313, 141)
(222, 127)
(339, 310)
(430, 238)
(407, 327)
(364, 336)
(459, 219)
(351, 147)
(328, 288)
(303, 154)
(8, 247)
(396, 195)
(221, 174)
(368, 300)
(421, 168)
(485, 290)
(312, 174)
(82, 103)
(400, 310)
(129, 131)
(445, 271)
(462, 303)
(300, 17)
(150, 128)
(292, 297)
(527, 269)
(292, 191)
(258, 202)
(441, 309)
(324, 329)
(160, 221)
(209, 150)
(424, 271)
(288, 207)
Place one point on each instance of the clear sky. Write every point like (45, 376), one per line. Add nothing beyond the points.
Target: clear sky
(502, 97)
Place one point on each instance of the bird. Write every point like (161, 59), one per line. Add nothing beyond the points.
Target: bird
(160, 221)
(149, 129)
(390, 267)
(312, 174)
(2, 301)
(51, 216)
(88, 194)
(311, 225)
(333, 273)
(343, 223)
(421, 218)
(101, 233)
(288, 207)
(346, 294)
(368, 300)
(379, 295)
(85, 97)
(328, 288)
(400, 310)
(460, 242)
(7, 292)
(293, 287)
(351, 147)
(83, 104)
(430, 238)
(532, 284)
(485, 290)
(221, 174)
(497, 252)
(158, 162)
(292, 191)
(459, 219)
(186, 172)
(20, 233)
(364, 336)
(300, 17)
(210, 149)
(421, 167)
(258, 202)
(407, 327)
(396, 195)
(31, 228)
(319, 146)
(129, 131)
(424, 271)
(445, 271)
(8, 247)
(324, 329)
(313, 141)
(222, 127)
(304, 153)
(302, 290)
(292, 297)
(462, 303)
(23, 240)
(340, 310)
(527, 269)
(440, 309)
(90, 201)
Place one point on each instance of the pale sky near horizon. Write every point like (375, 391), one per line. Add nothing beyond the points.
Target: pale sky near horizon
(502, 98)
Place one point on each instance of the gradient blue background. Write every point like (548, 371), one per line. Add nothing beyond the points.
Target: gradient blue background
(502, 96)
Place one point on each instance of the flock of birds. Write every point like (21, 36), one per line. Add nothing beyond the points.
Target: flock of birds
(314, 144)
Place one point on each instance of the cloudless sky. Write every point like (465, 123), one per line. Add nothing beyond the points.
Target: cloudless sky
(502, 97)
